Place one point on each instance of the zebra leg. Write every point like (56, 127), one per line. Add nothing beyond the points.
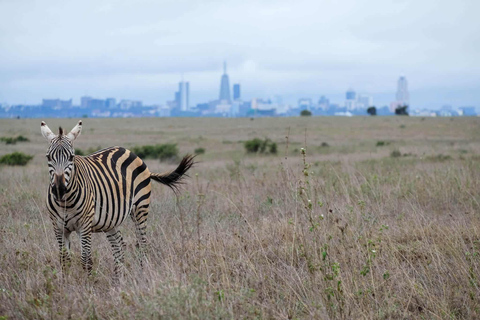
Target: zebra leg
(86, 243)
(116, 240)
(63, 238)
(139, 216)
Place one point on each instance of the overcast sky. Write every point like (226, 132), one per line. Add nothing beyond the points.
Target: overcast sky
(140, 49)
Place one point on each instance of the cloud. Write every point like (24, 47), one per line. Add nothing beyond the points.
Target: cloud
(60, 48)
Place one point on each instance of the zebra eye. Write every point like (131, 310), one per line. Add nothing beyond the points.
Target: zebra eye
(71, 157)
(49, 158)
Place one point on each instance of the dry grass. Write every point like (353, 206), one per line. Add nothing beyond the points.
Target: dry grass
(344, 232)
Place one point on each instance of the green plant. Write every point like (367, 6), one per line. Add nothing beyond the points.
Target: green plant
(252, 146)
(199, 151)
(273, 148)
(15, 159)
(159, 151)
(382, 143)
(305, 113)
(14, 140)
(257, 145)
(395, 153)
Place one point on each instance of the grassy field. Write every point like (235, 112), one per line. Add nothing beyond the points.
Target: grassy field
(379, 219)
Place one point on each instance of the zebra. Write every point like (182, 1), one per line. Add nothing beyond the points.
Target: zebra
(96, 193)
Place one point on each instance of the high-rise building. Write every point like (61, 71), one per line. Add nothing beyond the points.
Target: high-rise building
(84, 101)
(236, 92)
(182, 96)
(351, 94)
(364, 101)
(402, 97)
(111, 103)
(57, 103)
(224, 86)
(323, 103)
(351, 102)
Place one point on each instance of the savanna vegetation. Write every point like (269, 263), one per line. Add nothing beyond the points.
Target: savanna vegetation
(352, 218)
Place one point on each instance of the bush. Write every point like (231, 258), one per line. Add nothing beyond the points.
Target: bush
(438, 158)
(158, 151)
(257, 145)
(199, 151)
(382, 143)
(273, 148)
(13, 140)
(372, 111)
(252, 146)
(15, 159)
(395, 154)
(324, 145)
(305, 113)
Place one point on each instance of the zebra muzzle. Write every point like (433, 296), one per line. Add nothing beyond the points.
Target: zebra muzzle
(59, 188)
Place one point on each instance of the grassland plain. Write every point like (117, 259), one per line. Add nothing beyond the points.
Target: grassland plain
(379, 219)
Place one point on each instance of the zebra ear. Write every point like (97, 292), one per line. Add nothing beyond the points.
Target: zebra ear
(75, 131)
(46, 132)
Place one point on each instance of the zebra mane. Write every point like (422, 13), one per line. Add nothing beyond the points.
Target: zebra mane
(60, 131)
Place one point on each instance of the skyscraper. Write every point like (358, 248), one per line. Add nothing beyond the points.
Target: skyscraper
(402, 97)
(351, 102)
(236, 92)
(351, 94)
(224, 86)
(182, 96)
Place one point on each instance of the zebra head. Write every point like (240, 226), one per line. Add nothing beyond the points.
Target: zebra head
(60, 156)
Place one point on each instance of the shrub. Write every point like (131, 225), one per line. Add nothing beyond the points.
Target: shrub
(382, 143)
(158, 151)
(15, 159)
(395, 154)
(372, 111)
(257, 145)
(252, 146)
(199, 151)
(439, 158)
(13, 140)
(22, 139)
(324, 144)
(305, 113)
(273, 148)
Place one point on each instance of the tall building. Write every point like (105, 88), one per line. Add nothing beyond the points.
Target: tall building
(84, 101)
(351, 102)
(111, 103)
(182, 96)
(57, 103)
(224, 86)
(351, 94)
(323, 103)
(236, 92)
(364, 101)
(402, 97)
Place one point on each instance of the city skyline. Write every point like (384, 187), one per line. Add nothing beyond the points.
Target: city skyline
(137, 50)
(355, 104)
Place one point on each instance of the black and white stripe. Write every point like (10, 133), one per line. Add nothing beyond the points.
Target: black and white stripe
(97, 193)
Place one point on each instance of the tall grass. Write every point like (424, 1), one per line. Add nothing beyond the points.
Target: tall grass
(279, 238)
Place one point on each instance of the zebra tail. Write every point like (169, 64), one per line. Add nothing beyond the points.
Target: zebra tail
(174, 179)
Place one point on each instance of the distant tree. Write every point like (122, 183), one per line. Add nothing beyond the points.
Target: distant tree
(305, 113)
(372, 111)
(401, 110)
